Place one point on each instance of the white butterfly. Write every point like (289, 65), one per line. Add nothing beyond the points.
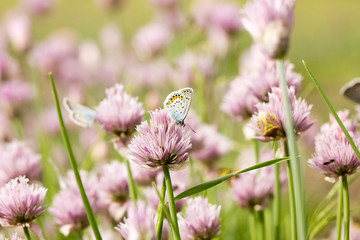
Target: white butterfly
(79, 114)
(351, 90)
(178, 103)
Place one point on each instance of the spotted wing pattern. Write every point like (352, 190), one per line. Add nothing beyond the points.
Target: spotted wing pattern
(79, 114)
(351, 90)
(178, 103)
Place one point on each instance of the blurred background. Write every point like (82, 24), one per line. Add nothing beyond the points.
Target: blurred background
(326, 35)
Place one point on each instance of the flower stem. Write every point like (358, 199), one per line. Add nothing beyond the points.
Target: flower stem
(160, 213)
(171, 202)
(132, 187)
(73, 163)
(277, 198)
(346, 207)
(27, 233)
(261, 225)
(256, 150)
(339, 212)
(295, 169)
(292, 201)
(252, 223)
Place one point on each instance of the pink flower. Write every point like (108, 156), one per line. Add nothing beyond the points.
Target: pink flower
(151, 40)
(217, 14)
(163, 142)
(17, 159)
(143, 176)
(139, 224)
(269, 23)
(16, 92)
(114, 189)
(68, 208)
(20, 203)
(119, 113)
(258, 75)
(201, 220)
(38, 7)
(334, 157)
(18, 29)
(254, 190)
(269, 120)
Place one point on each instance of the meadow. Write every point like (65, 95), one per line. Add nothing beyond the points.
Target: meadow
(124, 66)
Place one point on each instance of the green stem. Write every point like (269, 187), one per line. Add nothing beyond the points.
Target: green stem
(27, 233)
(339, 213)
(346, 207)
(292, 201)
(160, 213)
(300, 212)
(252, 223)
(261, 225)
(73, 163)
(277, 199)
(171, 202)
(132, 186)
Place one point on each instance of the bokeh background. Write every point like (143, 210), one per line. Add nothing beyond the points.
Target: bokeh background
(326, 35)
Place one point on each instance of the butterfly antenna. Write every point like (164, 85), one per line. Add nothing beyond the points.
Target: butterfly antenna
(191, 128)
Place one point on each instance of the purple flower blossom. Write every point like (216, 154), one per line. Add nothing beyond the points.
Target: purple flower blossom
(119, 113)
(269, 23)
(68, 208)
(258, 75)
(17, 159)
(18, 29)
(269, 120)
(334, 157)
(139, 224)
(38, 7)
(162, 143)
(114, 189)
(201, 220)
(20, 203)
(253, 190)
(16, 92)
(222, 15)
(151, 40)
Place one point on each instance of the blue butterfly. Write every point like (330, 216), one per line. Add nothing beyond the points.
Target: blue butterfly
(79, 114)
(178, 104)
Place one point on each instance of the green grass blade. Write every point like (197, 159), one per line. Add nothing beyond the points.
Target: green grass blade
(87, 206)
(333, 112)
(206, 185)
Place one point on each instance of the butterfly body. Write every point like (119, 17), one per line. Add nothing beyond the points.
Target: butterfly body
(178, 104)
(79, 114)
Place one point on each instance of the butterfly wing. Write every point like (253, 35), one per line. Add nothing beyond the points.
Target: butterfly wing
(351, 90)
(188, 94)
(175, 103)
(79, 114)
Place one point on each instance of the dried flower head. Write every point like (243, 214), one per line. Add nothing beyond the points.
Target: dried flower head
(163, 142)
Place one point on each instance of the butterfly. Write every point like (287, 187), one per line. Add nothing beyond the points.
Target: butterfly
(178, 103)
(79, 114)
(351, 90)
